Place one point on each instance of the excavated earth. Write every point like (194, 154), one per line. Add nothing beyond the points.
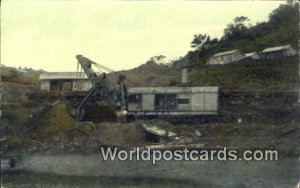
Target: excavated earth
(47, 126)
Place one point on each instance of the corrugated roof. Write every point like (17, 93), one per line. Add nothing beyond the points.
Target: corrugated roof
(250, 54)
(225, 53)
(277, 48)
(62, 75)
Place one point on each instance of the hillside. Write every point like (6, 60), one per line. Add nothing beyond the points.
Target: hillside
(18, 75)
(151, 74)
(277, 74)
(280, 29)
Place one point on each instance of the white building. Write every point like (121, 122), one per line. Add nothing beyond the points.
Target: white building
(64, 81)
(226, 57)
(278, 51)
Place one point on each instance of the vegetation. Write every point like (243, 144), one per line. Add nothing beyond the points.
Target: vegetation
(12, 125)
(281, 29)
(278, 74)
(56, 123)
(26, 76)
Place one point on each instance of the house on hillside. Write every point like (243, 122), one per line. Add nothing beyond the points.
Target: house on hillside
(252, 55)
(278, 51)
(226, 57)
(64, 82)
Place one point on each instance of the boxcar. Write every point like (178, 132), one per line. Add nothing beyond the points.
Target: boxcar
(174, 101)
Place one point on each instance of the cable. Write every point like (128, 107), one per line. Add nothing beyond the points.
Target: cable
(76, 79)
(99, 66)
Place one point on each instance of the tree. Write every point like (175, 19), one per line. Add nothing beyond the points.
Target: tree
(203, 43)
(236, 30)
(281, 29)
(284, 15)
(199, 40)
(157, 59)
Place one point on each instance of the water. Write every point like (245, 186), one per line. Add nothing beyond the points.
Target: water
(93, 169)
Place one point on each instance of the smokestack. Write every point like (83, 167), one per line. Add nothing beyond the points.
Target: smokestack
(184, 77)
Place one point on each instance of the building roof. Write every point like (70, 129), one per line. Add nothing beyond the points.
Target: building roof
(250, 54)
(277, 48)
(225, 53)
(172, 90)
(62, 75)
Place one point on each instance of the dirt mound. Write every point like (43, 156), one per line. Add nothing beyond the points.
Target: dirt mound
(88, 137)
(116, 134)
(129, 134)
(55, 123)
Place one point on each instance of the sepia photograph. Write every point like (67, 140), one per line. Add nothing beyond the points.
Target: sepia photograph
(138, 93)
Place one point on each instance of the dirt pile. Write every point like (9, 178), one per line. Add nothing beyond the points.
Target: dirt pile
(123, 134)
(55, 123)
(87, 137)
(116, 134)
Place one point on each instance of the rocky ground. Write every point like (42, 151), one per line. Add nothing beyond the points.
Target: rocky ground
(43, 129)
(44, 125)
(89, 137)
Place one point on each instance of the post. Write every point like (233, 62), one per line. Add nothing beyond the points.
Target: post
(184, 77)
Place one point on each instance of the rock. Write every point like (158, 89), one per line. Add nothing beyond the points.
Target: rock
(240, 120)
(197, 133)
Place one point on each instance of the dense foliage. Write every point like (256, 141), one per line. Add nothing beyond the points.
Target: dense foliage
(277, 74)
(281, 29)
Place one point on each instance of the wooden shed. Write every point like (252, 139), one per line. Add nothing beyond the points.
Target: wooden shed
(226, 57)
(278, 51)
(64, 81)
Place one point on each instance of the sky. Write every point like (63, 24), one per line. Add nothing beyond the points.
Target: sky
(118, 34)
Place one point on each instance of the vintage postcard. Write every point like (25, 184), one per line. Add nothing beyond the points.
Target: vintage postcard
(177, 93)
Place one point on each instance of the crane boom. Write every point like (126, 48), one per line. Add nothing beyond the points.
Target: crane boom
(86, 65)
(100, 86)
